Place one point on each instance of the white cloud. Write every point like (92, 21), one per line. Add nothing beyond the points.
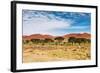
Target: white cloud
(78, 27)
(43, 24)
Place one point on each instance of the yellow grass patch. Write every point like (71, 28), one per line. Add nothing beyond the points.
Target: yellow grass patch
(44, 53)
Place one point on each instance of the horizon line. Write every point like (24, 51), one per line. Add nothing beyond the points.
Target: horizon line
(57, 35)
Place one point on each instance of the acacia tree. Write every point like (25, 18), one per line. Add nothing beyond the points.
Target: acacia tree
(25, 41)
(88, 40)
(72, 40)
(78, 40)
(82, 40)
(35, 40)
(47, 40)
(59, 39)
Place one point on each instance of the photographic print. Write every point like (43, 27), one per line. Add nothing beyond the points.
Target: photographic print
(56, 36)
(48, 36)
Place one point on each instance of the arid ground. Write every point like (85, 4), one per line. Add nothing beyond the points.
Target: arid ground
(50, 52)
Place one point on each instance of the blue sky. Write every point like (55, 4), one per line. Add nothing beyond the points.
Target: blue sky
(55, 22)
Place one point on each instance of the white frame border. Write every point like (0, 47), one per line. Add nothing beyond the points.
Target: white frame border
(51, 64)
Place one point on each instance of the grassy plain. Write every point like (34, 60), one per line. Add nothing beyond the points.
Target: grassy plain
(50, 52)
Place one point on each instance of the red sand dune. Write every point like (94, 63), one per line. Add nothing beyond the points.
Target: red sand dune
(40, 36)
(79, 35)
(37, 36)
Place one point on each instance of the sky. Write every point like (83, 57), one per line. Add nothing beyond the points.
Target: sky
(55, 22)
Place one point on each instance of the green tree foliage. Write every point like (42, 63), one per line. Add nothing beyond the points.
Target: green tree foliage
(47, 40)
(26, 41)
(72, 40)
(36, 40)
(59, 39)
(78, 40)
(88, 40)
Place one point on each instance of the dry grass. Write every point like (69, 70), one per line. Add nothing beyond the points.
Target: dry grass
(44, 53)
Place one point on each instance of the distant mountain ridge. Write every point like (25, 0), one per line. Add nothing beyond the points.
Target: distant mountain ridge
(78, 35)
(41, 36)
(37, 36)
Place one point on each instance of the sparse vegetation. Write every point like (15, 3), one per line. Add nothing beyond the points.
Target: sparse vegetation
(41, 50)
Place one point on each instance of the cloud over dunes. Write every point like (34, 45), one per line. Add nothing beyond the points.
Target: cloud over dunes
(46, 22)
